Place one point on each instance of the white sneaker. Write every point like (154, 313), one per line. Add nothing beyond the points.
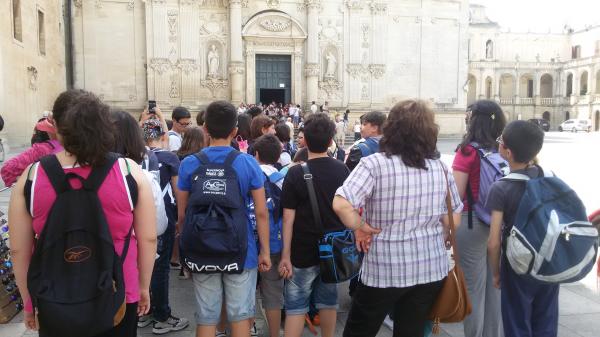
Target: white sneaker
(220, 334)
(388, 322)
(144, 321)
(171, 324)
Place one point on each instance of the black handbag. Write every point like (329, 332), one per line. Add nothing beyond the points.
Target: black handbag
(339, 260)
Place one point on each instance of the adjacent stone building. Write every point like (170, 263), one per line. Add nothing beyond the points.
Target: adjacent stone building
(532, 75)
(32, 63)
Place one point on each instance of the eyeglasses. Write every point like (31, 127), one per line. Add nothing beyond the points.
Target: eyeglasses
(499, 140)
(184, 124)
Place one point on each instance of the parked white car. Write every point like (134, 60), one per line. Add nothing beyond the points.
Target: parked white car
(575, 125)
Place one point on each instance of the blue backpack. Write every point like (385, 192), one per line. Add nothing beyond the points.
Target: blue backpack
(552, 240)
(492, 168)
(215, 232)
(273, 195)
(368, 147)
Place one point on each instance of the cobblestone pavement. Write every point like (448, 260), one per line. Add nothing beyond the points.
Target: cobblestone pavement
(567, 154)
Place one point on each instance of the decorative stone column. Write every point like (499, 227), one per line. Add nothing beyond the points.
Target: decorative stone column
(378, 58)
(312, 69)
(236, 65)
(354, 68)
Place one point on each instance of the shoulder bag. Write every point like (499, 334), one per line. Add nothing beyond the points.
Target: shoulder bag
(339, 259)
(452, 303)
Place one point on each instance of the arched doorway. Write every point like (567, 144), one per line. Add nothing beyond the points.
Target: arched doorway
(273, 47)
(546, 115)
(488, 87)
(526, 86)
(569, 85)
(472, 90)
(583, 83)
(546, 86)
(597, 121)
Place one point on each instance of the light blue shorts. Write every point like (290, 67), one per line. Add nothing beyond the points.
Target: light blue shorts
(304, 283)
(239, 291)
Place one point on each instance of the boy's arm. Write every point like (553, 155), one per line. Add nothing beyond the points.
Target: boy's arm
(182, 200)
(285, 266)
(494, 245)
(262, 227)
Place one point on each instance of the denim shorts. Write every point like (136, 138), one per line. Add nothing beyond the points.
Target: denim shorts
(239, 291)
(304, 283)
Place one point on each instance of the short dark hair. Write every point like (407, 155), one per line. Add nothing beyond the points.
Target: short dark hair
(254, 111)
(319, 130)
(375, 118)
(282, 131)
(86, 128)
(410, 120)
(180, 113)
(268, 148)
(200, 118)
(523, 139)
(169, 124)
(220, 119)
(258, 124)
(244, 121)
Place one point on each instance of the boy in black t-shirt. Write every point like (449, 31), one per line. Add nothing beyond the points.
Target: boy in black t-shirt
(529, 307)
(299, 257)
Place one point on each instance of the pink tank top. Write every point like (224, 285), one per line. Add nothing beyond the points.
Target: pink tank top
(118, 209)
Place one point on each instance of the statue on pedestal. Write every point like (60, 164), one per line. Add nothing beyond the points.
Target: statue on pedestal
(331, 65)
(213, 62)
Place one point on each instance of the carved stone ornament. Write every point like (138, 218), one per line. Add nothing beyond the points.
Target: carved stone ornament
(237, 68)
(214, 3)
(364, 93)
(377, 70)
(275, 25)
(378, 8)
(355, 70)
(312, 69)
(172, 19)
(132, 98)
(187, 65)
(32, 74)
(365, 35)
(131, 5)
(77, 3)
(214, 85)
(312, 3)
(98, 4)
(273, 3)
(174, 92)
(160, 65)
(331, 86)
(354, 4)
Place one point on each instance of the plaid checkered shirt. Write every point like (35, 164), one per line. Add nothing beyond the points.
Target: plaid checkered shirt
(407, 204)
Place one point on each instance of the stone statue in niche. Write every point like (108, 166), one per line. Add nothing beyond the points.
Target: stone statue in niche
(213, 62)
(331, 65)
(489, 50)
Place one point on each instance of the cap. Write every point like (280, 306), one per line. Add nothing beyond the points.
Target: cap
(45, 126)
(152, 129)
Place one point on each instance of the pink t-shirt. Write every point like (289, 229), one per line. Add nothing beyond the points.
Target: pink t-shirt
(468, 163)
(115, 200)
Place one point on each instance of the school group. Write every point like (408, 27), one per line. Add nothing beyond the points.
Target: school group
(229, 200)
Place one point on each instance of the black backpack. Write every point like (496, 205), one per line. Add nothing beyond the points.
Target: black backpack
(75, 276)
(214, 238)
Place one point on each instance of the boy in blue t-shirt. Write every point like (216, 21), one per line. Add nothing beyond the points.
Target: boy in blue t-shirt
(267, 150)
(238, 290)
(529, 307)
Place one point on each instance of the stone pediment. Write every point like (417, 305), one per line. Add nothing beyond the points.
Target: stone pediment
(273, 24)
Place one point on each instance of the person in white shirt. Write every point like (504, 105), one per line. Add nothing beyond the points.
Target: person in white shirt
(314, 107)
(181, 120)
(357, 130)
(289, 123)
(340, 131)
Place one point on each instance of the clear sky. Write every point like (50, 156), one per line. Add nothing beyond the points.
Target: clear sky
(542, 15)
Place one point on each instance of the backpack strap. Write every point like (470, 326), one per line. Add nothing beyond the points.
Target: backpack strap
(276, 177)
(516, 177)
(56, 174)
(126, 245)
(312, 196)
(231, 156)
(202, 157)
(95, 179)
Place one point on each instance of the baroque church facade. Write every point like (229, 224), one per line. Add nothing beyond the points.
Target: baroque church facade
(357, 54)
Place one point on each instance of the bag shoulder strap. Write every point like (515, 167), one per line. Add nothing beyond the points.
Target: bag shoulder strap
(451, 218)
(126, 245)
(276, 176)
(312, 196)
(56, 174)
(202, 157)
(516, 177)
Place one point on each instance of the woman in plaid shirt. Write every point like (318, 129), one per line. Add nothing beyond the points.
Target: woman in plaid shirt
(402, 190)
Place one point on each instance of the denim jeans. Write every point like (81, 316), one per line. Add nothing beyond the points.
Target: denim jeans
(159, 285)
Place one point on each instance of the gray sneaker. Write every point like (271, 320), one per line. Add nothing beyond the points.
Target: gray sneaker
(171, 324)
(144, 321)
(220, 334)
(253, 330)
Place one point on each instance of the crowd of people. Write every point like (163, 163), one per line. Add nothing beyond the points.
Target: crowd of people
(227, 203)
